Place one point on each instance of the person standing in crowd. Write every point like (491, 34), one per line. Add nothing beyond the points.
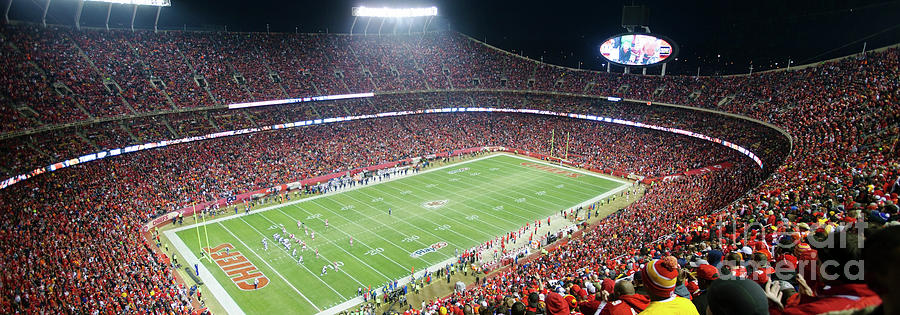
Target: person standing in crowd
(659, 277)
(624, 300)
(737, 296)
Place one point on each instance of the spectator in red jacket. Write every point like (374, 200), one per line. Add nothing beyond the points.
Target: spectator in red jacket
(625, 301)
(844, 284)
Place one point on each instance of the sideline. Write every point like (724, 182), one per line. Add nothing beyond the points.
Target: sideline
(211, 283)
(231, 306)
(290, 203)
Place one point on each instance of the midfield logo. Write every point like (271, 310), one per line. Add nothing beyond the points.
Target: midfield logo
(435, 204)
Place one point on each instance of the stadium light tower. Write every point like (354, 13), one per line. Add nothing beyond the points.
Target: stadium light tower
(395, 13)
(134, 4)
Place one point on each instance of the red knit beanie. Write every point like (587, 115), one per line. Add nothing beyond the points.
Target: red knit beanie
(556, 305)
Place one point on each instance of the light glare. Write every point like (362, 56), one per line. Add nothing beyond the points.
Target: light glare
(155, 3)
(392, 12)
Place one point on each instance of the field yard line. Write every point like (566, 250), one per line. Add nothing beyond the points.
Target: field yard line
(353, 302)
(331, 262)
(401, 282)
(576, 188)
(476, 187)
(461, 202)
(214, 286)
(515, 190)
(588, 187)
(370, 231)
(343, 306)
(426, 219)
(273, 268)
(414, 226)
(363, 227)
(351, 255)
(567, 168)
(286, 253)
(386, 225)
(622, 187)
(336, 192)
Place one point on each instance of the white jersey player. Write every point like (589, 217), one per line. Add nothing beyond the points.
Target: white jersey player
(294, 252)
(300, 260)
(351, 241)
(265, 244)
(326, 223)
(324, 270)
(312, 235)
(299, 224)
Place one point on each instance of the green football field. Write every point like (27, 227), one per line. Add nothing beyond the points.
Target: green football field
(457, 206)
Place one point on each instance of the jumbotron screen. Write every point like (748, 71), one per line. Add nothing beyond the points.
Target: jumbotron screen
(637, 49)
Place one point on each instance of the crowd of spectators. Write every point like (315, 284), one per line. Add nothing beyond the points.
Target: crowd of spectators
(74, 142)
(842, 117)
(124, 191)
(843, 170)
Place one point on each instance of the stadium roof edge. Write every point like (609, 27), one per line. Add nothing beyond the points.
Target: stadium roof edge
(798, 67)
(804, 66)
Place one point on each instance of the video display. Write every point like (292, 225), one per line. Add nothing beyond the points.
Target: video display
(636, 50)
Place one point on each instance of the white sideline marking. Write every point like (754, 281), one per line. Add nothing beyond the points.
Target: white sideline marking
(290, 203)
(404, 280)
(401, 282)
(270, 266)
(228, 303)
(289, 255)
(624, 185)
(566, 167)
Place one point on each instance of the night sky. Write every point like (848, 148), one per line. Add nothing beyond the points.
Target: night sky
(722, 37)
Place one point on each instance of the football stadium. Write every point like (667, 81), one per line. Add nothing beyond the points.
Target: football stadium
(414, 157)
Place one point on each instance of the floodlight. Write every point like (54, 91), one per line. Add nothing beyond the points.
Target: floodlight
(394, 12)
(155, 3)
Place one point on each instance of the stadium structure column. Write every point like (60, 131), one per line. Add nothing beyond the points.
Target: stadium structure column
(366, 31)
(78, 11)
(352, 25)
(133, 14)
(156, 21)
(424, 28)
(663, 73)
(44, 17)
(108, 11)
(6, 12)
